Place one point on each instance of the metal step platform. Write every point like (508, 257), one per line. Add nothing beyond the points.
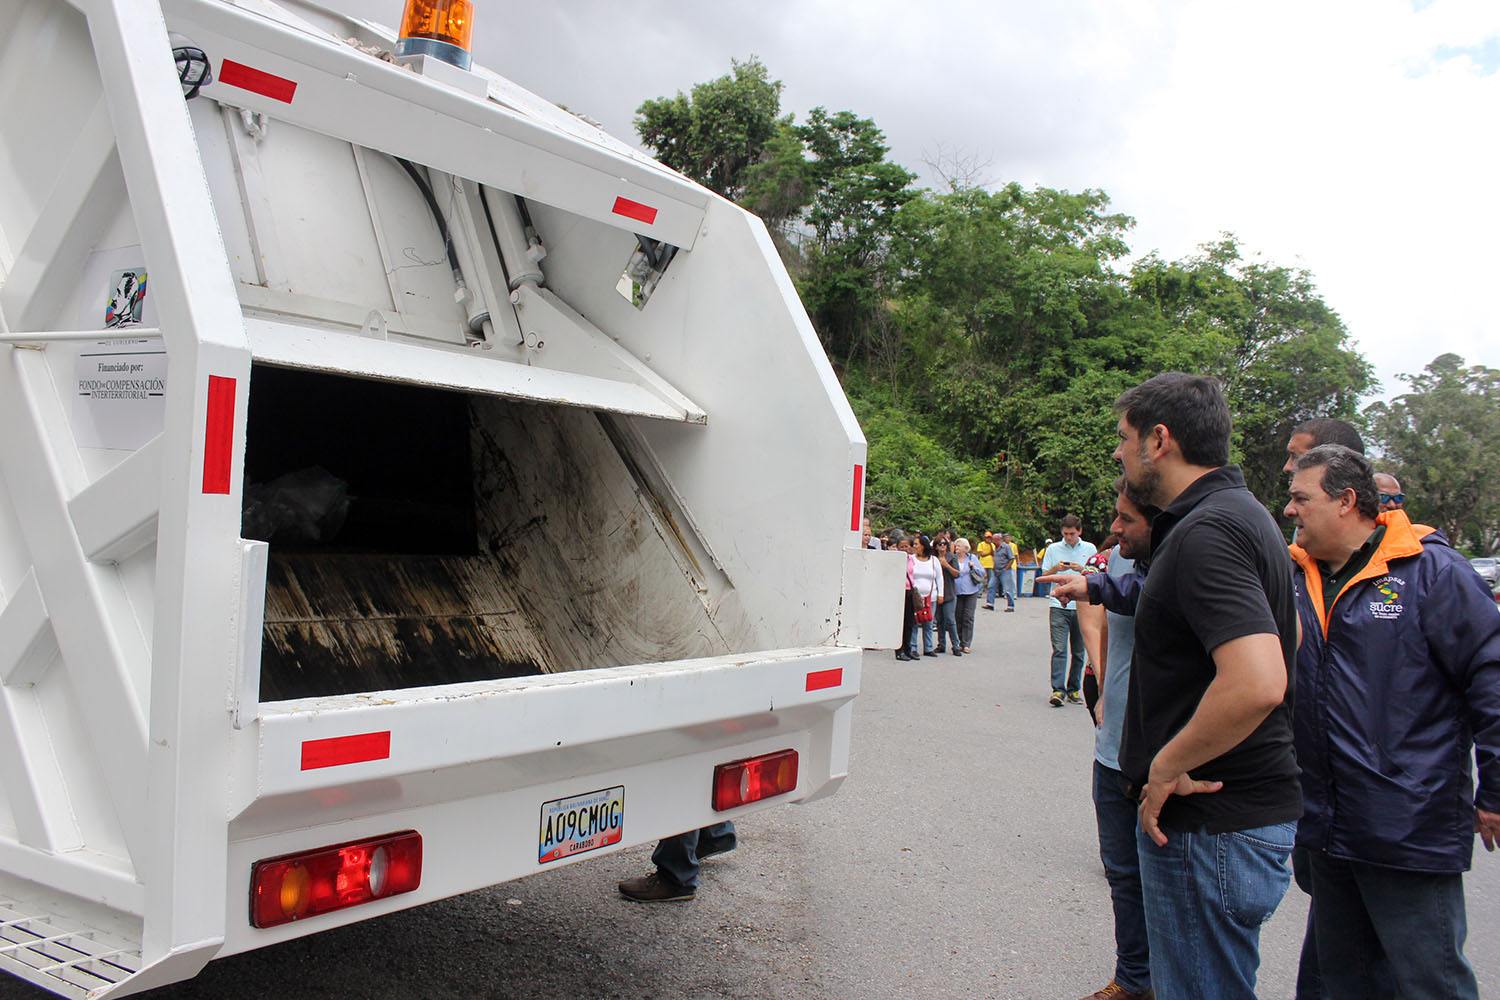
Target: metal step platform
(63, 955)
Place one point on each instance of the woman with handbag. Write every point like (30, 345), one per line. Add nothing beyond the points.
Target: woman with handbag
(967, 585)
(926, 593)
(947, 624)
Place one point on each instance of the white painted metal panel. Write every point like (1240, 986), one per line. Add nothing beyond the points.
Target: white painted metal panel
(345, 93)
(130, 607)
(457, 368)
(874, 591)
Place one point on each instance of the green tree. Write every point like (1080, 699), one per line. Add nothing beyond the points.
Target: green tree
(854, 194)
(720, 131)
(1282, 352)
(1443, 439)
(1017, 269)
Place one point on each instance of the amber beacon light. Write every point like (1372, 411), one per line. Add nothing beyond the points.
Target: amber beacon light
(442, 29)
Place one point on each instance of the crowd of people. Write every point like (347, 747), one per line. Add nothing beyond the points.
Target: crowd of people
(945, 578)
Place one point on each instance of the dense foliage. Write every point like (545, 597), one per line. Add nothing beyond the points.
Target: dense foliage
(983, 334)
(1442, 440)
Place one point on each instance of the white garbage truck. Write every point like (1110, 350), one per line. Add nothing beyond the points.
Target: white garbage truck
(405, 487)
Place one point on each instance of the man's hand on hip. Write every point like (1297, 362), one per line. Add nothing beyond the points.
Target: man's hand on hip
(1158, 789)
(1487, 825)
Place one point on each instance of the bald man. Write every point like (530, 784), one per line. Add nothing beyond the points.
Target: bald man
(1320, 430)
(1391, 497)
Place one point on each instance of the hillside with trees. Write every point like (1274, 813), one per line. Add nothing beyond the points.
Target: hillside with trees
(982, 332)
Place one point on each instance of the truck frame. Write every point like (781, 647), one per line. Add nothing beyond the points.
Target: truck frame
(603, 487)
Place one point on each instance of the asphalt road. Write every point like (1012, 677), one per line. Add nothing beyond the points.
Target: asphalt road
(958, 861)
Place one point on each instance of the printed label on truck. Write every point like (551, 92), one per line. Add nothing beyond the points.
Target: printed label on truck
(120, 400)
(581, 823)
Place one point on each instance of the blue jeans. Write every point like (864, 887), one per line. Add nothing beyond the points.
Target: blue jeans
(1064, 625)
(1115, 813)
(1384, 933)
(1206, 896)
(947, 623)
(677, 857)
(991, 586)
(1007, 583)
(925, 630)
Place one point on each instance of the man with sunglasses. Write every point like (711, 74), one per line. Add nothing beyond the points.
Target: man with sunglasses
(1391, 497)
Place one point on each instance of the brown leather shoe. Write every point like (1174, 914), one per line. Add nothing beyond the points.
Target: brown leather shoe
(656, 888)
(1114, 992)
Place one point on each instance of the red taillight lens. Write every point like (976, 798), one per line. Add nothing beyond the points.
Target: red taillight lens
(331, 878)
(742, 781)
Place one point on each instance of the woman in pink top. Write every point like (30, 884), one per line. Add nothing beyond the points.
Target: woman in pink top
(926, 585)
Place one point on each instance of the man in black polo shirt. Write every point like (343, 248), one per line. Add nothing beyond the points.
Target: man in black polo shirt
(1208, 737)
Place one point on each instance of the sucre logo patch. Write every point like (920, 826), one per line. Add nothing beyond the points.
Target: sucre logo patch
(1389, 607)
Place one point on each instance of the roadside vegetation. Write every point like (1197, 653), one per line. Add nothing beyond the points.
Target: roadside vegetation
(982, 331)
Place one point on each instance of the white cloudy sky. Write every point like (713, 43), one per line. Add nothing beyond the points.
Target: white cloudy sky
(1356, 138)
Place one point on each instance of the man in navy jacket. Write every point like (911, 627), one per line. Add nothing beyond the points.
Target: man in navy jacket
(1397, 693)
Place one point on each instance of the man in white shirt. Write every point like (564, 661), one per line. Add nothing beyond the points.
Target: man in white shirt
(1067, 557)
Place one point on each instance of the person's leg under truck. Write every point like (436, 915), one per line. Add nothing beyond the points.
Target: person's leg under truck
(677, 857)
(1206, 897)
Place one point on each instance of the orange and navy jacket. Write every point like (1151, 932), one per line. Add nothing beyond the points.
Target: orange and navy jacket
(1397, 696)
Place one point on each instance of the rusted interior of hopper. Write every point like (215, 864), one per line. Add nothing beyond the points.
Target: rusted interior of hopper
(422, 537)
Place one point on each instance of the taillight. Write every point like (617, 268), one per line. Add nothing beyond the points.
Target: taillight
(331, 878)
(754, 778)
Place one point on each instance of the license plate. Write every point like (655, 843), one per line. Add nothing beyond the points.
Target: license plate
(581, 823)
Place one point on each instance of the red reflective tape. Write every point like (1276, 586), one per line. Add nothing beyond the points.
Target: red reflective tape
(218, 435)
(820, 680)
(345, 750)
(257, 81)
(855, 521)
(635, 210)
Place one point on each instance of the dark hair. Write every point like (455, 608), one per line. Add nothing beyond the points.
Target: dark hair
(1191, 406)
(1072, 521)
(1344, 469)
(925, 543)
(1148, 510)
(1326, 430)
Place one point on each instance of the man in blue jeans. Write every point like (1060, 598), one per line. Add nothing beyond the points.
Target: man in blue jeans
(678, 860)
(1004, 577)
(1066, 557)
(1207, 741)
